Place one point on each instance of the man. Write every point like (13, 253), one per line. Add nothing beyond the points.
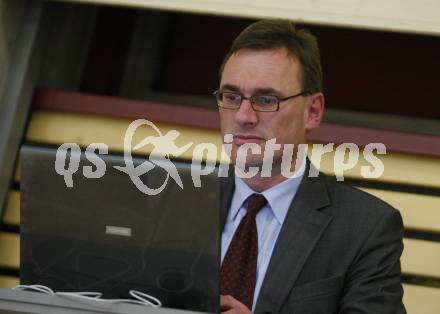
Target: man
(300, 244)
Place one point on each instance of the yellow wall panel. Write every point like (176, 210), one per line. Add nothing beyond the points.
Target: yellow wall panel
(421, 257)
(421, 300)
(12, 210)
(8, 281)
(9, 250)
(398, 168)
(55, 128)
(419, 212)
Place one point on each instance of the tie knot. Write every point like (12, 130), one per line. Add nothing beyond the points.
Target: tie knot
(255, 203)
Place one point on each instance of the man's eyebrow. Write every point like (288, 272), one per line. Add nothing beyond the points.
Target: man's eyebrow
(230, 87)
(267, 90)
(263, 90)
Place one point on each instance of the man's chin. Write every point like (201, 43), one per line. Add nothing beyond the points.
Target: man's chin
(249, 166)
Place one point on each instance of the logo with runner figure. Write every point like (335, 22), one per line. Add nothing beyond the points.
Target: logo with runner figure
(164, 147)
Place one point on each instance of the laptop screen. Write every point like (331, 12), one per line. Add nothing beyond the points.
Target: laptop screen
(104, 234)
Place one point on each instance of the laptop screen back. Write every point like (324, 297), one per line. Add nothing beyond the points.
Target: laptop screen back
(104, 234)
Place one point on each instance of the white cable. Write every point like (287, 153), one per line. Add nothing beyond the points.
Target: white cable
(142, 298)
(84, 297)
(145, 298)
(39, 288)
(91, 295)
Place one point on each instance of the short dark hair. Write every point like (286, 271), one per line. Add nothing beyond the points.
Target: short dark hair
(276, 33)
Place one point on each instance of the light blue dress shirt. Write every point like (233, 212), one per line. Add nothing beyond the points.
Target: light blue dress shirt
(269, 220)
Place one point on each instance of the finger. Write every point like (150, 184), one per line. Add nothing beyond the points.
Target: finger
(231, 305)
(228, 302)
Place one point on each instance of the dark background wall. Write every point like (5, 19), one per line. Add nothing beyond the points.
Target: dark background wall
(363, 70)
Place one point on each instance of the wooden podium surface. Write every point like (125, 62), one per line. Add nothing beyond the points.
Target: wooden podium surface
(21, 302)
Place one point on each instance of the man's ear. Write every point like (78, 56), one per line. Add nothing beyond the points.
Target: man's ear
(315, 110)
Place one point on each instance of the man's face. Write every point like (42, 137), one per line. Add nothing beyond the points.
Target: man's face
(273, 72)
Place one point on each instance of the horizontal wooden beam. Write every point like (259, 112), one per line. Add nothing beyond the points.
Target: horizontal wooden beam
(52, 127)
(126, 108)
(419, 212)
(12, 210)
(208, 118)
(9, 281)
(55, 128)
(9, 250)
(421, 257)
(418, 258)
(421, 300)
(413, 16)
(398, 169)
(400, 142)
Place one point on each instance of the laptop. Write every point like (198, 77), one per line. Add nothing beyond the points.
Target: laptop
(105, 235)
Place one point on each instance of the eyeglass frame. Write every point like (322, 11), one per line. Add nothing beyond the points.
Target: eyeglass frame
(217, 92)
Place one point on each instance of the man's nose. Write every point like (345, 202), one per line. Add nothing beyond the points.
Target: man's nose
(246, 115)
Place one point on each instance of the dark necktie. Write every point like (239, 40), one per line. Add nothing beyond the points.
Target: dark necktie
(239, 268)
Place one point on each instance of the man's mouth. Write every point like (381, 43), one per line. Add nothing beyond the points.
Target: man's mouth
(240, 139)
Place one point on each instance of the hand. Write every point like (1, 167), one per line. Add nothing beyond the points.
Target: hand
(230, 305)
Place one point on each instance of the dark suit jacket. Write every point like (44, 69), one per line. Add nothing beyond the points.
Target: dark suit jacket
(338, 252)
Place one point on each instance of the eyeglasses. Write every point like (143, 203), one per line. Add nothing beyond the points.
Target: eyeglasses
(233, 100)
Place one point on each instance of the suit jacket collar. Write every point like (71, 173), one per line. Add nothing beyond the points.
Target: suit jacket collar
(300, 232)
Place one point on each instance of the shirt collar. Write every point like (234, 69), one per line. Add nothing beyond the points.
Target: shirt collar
(279, 197)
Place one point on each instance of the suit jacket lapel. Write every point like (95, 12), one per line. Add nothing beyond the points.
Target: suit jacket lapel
(301, 230)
